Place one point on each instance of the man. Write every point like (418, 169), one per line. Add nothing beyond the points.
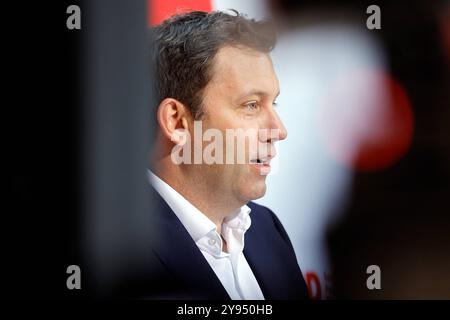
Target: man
(213, 70)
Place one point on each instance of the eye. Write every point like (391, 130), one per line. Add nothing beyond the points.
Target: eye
(251, 106)
(275, 103)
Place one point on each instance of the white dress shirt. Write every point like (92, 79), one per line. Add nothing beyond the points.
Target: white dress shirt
(231, 268)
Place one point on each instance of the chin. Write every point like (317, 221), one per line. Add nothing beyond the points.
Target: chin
(255, 191)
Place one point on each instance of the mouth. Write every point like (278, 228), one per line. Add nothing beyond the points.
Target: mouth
(261, 161)
(262, 164)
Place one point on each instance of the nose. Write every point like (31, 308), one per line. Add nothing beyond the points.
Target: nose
(277, 129)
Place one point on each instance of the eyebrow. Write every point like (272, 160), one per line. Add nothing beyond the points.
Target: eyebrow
(258, 93)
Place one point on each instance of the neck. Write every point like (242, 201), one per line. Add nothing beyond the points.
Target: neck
(212, 202)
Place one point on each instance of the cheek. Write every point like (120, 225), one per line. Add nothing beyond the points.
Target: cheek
(227, 117)
(241, 128)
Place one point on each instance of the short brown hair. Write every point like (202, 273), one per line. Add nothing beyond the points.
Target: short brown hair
(185, 45)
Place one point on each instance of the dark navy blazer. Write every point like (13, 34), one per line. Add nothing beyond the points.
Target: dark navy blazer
(176, 268)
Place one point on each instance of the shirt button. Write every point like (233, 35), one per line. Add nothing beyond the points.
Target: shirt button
(212, 242)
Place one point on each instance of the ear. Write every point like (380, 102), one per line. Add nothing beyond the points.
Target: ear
(173, 118)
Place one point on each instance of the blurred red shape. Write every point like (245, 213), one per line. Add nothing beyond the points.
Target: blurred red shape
(160, 10)
(366, 121)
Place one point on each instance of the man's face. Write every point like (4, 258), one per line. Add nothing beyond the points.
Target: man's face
(241, 95)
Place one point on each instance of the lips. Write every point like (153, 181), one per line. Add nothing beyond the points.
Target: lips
(261, 161)
(262, 165)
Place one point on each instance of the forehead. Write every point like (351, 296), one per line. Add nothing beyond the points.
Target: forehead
(237, 71)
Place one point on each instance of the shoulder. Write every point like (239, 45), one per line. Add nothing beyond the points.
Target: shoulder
(264, 218)
(262, 213)
(257, 207)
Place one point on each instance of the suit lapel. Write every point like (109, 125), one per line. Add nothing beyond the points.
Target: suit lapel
(258, 263)
(270, 260)
(179, 253)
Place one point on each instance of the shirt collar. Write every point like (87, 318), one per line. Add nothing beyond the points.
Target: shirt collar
(196, 223)
(239, 220)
